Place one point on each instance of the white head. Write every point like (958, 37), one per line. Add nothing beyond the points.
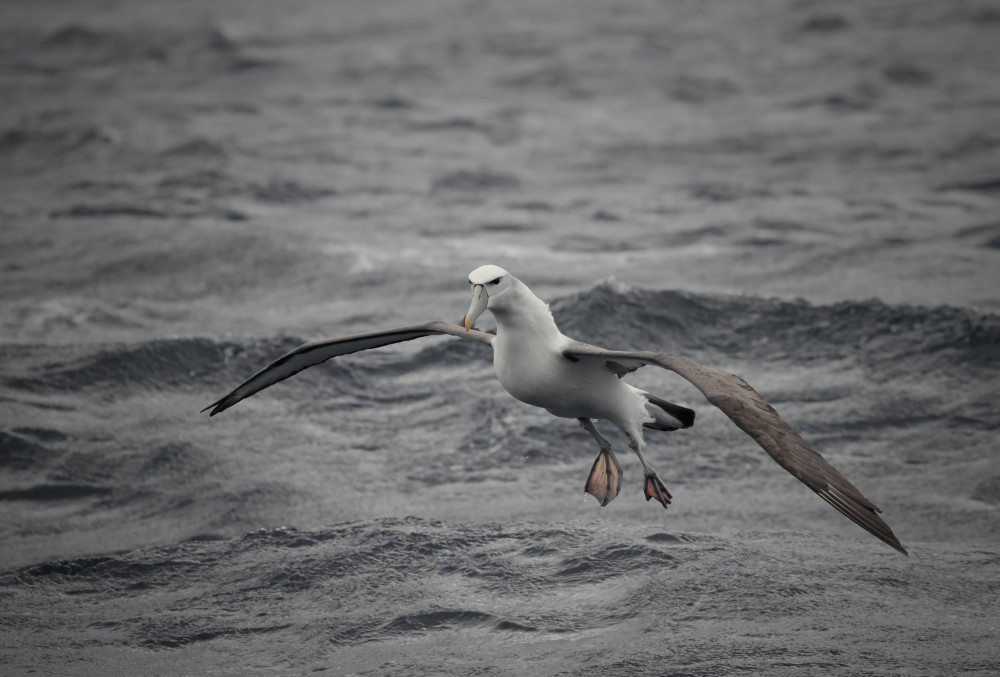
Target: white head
(510, 301)
(488, 283)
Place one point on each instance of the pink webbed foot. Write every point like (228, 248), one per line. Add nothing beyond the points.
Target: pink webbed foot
(605, 480)
(654, 488)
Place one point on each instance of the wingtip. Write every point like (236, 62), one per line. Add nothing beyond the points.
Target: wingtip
(216, 408)
(896, 545)
(864, 516)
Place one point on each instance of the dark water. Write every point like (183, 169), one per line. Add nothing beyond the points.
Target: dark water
(801, 194)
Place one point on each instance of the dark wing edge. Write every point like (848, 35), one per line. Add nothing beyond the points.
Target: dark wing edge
(316, 352)
(756, 417)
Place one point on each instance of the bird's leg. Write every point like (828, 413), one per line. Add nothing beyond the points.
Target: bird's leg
(652, 486)
(605, 479)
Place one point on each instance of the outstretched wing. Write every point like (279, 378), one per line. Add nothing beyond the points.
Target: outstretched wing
(316, 352)
(757, 418)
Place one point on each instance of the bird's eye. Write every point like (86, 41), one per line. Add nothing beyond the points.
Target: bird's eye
(496, 281)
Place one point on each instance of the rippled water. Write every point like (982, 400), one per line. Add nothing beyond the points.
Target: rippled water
(803, 195)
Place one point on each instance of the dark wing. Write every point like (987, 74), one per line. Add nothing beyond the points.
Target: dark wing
(316, 352)
(757, 418)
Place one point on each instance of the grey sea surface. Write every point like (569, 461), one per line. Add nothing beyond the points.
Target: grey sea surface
(802, 193)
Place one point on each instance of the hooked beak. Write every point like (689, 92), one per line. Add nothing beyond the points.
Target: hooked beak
(479, 301)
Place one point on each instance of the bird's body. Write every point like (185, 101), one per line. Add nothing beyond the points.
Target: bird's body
(537, 364)
(529, 363)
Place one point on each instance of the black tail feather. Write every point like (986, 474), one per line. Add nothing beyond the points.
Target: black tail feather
(682, 414)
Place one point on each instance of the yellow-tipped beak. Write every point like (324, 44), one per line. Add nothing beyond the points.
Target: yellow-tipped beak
(479, 300)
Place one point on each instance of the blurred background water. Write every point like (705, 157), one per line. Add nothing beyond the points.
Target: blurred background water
(801, 193)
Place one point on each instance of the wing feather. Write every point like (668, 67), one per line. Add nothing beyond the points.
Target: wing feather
(316, 352)
(752, 414)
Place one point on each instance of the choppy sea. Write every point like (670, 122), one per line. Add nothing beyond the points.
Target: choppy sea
(803, 193)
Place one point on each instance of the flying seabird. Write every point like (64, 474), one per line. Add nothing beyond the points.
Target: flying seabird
(539, 365)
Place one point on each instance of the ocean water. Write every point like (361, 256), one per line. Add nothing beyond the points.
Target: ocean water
(800, 193)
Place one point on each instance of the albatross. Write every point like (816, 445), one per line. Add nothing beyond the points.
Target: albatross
(541, 366)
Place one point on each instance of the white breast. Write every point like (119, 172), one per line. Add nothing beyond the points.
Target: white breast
(537, 373)
(529, 363)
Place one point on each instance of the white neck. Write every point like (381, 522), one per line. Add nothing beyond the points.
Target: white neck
(520, 311)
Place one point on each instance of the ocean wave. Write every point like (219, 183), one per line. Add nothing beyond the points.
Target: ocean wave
(92, 46)
(161, 363)
(474, 181)
(761, 328)
(197, 149)
(381, 580)
(875, 334)
(218, 184)
(19, 452)
(441, 597)
(27, 148)
(54, 492)
(204, 50)
(103, 211)
(497, 558)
